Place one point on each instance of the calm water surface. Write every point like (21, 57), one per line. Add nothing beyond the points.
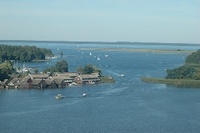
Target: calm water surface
(129, 105)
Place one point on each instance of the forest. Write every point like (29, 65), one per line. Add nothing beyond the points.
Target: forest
(23, 53)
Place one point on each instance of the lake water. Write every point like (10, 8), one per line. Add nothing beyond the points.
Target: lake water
(127, 106)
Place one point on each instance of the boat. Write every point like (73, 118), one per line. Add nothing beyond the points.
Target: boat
(122, 75)
(73, 84)
(84, 94)
(59, 96)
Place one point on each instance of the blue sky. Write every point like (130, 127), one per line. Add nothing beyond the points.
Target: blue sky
(101, 20)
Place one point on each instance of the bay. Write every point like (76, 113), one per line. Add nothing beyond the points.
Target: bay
(129, 105)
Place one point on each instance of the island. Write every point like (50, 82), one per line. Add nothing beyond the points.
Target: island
(187, 75)
(56, 76)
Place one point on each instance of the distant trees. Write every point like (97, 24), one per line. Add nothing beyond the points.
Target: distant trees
(60, 66)
(194, 57)
(23, 53)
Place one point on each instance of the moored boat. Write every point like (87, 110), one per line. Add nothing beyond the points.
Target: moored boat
(59, 96)
(84, 94)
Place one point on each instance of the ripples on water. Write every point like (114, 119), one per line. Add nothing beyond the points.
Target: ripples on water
(129, 105)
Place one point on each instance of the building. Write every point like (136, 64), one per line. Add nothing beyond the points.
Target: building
(68, 74)
(87, 79)
(25, 83)
(50, 83)
(39, 76)
(14, 83)
(38, 84)
(63, 81)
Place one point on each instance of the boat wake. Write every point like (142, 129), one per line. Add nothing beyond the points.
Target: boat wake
(115, 73)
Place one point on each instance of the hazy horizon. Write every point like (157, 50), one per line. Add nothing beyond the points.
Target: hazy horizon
(104, 42)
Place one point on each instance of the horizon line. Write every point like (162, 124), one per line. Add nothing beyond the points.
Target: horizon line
(103, 42)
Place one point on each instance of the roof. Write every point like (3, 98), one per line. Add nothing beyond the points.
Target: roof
(4, 82)
(15, 81)
(36, 81)
(49, 81)
(88, 76)
(70, 74)
(96, 74)
(63, 77)
(39, 76)
(59, 79)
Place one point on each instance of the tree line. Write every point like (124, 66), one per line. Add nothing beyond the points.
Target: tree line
(23, 53)
(190, 70)
(193, 58)
(62, 66)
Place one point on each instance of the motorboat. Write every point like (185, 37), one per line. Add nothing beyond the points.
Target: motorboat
(73, 84)
(59, 96)
(122, 75)
(84, 94)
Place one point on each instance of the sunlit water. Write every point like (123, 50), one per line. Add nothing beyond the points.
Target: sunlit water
(129, 105)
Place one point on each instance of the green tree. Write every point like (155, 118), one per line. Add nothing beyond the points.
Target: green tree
(79, 69)
(6, 70)
(194, 57)
(97, 70)
(88, 69)
(182, 72)
(60, 66)
(23, 53)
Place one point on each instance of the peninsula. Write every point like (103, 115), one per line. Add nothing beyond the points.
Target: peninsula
(187, 75)
(53, 77)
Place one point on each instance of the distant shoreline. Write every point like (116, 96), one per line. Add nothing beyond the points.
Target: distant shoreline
(102, 42)
(138, 50)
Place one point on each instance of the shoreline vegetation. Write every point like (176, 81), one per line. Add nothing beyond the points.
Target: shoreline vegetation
(187, 75)
(173, 82)
(138, 50)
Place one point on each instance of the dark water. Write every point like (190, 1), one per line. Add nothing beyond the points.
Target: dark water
(129, 105)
